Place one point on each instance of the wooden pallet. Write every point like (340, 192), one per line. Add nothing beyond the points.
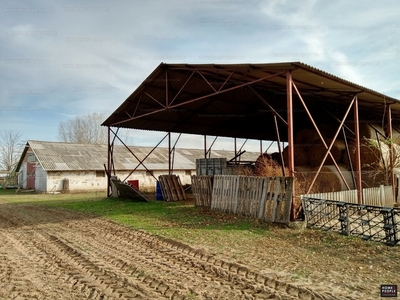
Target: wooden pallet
(171, 188)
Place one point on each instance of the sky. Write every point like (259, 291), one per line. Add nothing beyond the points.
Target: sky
(62, 59)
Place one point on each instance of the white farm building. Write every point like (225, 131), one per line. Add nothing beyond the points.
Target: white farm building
(48, 166)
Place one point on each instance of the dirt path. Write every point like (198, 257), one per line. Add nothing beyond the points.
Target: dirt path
(57, 254)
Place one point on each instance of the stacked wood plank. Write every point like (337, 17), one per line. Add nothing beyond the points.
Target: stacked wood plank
(202, 186)
(171, 188)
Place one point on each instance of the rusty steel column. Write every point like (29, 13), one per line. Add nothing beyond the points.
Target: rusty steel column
(205, 146)
(235, 148)
(358, 152)
(108, 162)
(289, 96)
(389, 134)
(169, 154)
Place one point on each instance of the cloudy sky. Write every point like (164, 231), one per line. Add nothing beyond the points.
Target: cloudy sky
(61, 59)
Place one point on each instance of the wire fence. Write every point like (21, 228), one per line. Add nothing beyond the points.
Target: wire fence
(381, 224)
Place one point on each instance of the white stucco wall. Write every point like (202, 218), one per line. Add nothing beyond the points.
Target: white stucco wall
(22, 176)
(40, 178)
(78, 181)
(148, 183)
(52, 181)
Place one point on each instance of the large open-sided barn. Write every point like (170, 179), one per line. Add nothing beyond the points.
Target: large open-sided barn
(49, 166)
(326, 120)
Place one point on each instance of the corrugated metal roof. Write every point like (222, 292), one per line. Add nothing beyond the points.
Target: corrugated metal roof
(56, 156)
(200, 99)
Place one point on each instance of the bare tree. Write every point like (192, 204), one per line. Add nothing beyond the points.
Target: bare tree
(84, 129)
(387, 159)
(10, 149)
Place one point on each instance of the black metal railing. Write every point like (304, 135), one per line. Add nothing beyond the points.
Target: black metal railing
(381, 224)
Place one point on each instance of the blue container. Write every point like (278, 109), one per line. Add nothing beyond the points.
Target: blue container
(159, 195)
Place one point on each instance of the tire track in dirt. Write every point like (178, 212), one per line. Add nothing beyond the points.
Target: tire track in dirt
(89, 258)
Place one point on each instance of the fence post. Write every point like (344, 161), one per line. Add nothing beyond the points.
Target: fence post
(389, 226)
(344, 218)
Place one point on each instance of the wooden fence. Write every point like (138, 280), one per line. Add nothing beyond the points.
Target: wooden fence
(202, 186)
(265, 198)
(378, 196)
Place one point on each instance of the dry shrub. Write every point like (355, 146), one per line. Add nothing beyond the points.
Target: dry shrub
(373, 178)
(369, 155)
(266, 166)
(328, 180)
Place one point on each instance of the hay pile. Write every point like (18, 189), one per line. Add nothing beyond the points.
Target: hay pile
(328, 180)
(309, 152)
(306, 137)
(318, 151)
(300, 157)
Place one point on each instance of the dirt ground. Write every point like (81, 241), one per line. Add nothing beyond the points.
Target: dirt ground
(48, 253)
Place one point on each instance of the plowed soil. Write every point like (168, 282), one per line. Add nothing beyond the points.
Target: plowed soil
(49, 253)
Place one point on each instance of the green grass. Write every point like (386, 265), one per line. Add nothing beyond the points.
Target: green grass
(170, 219)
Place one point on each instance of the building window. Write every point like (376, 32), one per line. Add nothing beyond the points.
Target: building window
(188, 172)
(31, 158)
(149, 173)
(100, 174)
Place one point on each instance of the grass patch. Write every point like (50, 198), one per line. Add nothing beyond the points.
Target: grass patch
(180, 220)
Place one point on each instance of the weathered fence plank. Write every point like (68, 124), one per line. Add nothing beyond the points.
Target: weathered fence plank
(202, 186)
(265, 198)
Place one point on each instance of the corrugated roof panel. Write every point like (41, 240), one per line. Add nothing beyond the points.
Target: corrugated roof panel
(76, 157)
(60, 166)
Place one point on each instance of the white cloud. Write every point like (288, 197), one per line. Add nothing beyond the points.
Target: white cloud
(74, 57)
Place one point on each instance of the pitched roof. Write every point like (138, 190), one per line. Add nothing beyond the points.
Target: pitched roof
(235, 100)
(58, 156)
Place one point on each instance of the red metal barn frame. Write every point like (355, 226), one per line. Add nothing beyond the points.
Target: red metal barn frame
(271, 101)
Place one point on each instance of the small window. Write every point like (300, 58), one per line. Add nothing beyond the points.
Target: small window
(149, 173)
(31, 158)
(188, 172)
(100, 174)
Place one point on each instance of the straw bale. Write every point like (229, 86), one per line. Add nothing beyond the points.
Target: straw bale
(395, 149)
(396, 137)
(300, 155)
(346, 174)
(309, 136)
(328, 180)
(396, 134)
(318, 151)
(306, 137)
(366, 131)
(276, 156)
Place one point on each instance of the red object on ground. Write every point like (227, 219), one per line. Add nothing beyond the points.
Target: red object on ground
(134, 183)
